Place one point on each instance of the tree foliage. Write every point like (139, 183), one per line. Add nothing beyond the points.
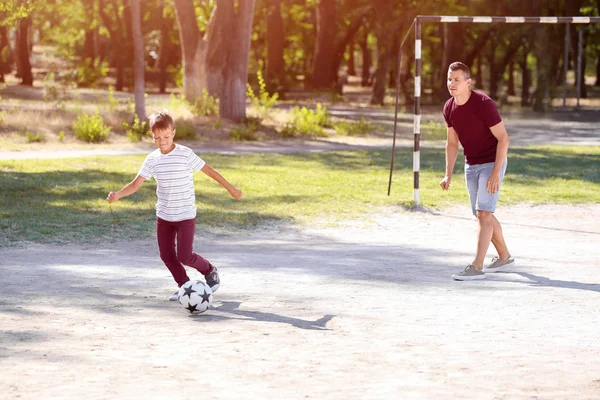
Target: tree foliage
(309, 44)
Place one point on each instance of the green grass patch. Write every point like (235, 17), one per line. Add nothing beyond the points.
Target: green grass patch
(63, 201)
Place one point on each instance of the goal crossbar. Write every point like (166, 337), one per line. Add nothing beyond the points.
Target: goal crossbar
(417, 22)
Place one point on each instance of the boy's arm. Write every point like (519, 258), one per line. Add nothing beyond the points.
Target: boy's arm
(451, 153)
(127, 190)
(233, 191)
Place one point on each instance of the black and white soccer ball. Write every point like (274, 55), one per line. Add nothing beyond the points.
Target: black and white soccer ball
(195, 296)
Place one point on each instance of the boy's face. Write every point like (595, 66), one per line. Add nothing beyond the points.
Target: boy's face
(164, 139)
(457, 84)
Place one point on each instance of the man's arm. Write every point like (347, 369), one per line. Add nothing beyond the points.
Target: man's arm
(233, 191)
(127, 190)
(499, 131)
(451, 154)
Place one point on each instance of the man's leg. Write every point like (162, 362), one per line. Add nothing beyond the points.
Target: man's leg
(485, 232)
(489, 226)
(498, 239)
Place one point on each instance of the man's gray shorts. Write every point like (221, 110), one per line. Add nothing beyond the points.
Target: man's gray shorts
(476, 177)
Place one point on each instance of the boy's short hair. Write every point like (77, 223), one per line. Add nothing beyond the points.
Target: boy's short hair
(161, 120)
(458, 66)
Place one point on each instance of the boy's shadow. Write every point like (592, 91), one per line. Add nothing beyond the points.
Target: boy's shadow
(232, 307)
(535, 280)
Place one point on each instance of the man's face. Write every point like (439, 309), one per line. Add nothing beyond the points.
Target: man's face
(457, 84)
(164, 139)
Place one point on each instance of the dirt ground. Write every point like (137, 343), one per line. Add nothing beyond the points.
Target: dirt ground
(364, 310)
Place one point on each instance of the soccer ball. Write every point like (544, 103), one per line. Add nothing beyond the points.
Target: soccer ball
(195, 296)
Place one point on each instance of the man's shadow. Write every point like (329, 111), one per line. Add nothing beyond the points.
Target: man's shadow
(536, 280)
(233, 307)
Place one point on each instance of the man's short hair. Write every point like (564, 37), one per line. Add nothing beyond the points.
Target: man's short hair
(458, 66)
(160, 121)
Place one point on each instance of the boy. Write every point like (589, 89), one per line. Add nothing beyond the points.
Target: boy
(172, 167)
(473, 119)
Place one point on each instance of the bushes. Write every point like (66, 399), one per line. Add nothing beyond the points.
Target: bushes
(90, 128)
(360, 127)
(136, 131)
(184, 130)
(307, 122)
(247, 130)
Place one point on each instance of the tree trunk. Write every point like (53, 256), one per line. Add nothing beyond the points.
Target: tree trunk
(193, 50)
(526, 83)
(89, 42)
(597, 69)
(581, 81)
(275, 47)
(118, 41)
(164, 53)
(511, 79)
(479, 74)
(138, 60)
(6, 58)
(351, 66)
(443, 73)
(202, 56)
(324, 76)
(493, 70)
(235, 30)
(22, 50)
(385, 41)
(366, 61)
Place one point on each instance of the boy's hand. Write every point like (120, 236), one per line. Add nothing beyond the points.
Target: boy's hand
(236, 193)
(112, 197)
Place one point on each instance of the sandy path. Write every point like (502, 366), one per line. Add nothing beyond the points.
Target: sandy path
(365, 310)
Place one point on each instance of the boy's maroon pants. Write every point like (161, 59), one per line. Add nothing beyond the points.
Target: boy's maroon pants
(175, 244)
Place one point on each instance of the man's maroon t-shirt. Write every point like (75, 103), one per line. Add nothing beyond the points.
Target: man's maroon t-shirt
(472, 122)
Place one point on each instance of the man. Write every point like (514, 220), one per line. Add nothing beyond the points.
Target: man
(473, 120)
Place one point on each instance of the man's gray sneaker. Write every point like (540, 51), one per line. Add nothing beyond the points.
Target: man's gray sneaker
(212, 279)
(498, 264)
(174, 296)
(470, 273)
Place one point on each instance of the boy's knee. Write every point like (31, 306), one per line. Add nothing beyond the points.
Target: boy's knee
(186, 259)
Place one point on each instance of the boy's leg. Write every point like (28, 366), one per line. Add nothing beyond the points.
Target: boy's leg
(165, 233)
(185, 244)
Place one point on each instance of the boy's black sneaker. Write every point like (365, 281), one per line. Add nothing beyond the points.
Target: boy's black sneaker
(212, 279)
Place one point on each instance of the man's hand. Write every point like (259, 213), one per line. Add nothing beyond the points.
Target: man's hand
(445, 183)
(493, 183)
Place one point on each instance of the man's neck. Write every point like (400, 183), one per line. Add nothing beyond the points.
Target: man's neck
(460, 100)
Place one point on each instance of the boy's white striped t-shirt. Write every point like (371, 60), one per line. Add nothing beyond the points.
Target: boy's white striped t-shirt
(174, 177)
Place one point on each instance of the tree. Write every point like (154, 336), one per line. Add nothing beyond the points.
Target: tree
(332, 40)
(275, 46)
(384, 15)
(22, 50)
(116, 23)
(138, 60)
(234, 29)
(201, 54)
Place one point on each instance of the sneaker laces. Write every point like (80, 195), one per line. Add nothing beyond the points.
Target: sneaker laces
(495, 258)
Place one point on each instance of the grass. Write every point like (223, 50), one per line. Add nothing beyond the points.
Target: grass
(63, 201)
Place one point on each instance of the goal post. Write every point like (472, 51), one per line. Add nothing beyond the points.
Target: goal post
(417, 24)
